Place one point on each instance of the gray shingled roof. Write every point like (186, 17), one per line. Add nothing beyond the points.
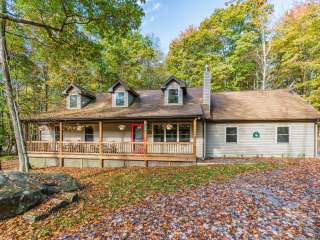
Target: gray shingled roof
(226, 106)
(261, 105)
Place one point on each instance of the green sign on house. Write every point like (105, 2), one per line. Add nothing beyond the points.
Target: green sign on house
(256, 134)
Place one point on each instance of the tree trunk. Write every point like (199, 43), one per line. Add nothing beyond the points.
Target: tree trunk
(46, 88)
(23, 166)
(264, 59)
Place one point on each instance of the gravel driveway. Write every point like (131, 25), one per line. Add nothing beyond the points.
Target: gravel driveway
(278, 204)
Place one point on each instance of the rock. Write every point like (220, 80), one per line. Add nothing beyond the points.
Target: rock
(17, 202)
(19, 191)
(3, 180)
(17, 176)
(54, 183)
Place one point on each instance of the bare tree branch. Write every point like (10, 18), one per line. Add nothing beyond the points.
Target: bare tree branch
(28, 22)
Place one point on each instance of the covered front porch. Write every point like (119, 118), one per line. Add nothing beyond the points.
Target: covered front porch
(107, 144)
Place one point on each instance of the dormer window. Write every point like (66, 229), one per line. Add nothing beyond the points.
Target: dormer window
(173, 96)
(174, 91)
(122, 95)
(76, 97)
(74, 101)
(120, 101)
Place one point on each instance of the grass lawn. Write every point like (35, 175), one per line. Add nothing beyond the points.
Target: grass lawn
(106, 190)
(7, 157)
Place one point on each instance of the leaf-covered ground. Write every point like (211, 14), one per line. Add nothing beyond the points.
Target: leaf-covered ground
(274, 204)
(107, 190)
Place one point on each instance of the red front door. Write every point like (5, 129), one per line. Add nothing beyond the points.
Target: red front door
(137, 137)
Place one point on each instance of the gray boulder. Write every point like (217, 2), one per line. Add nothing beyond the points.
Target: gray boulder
(20, 192)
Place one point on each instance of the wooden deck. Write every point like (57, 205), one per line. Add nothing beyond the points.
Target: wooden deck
(158, 151)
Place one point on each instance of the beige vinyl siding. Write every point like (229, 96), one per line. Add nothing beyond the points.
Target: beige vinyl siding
(47, 134)
(301, 140)
(199, 140)
(111, 133)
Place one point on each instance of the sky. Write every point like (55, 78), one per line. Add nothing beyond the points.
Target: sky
(165, 19)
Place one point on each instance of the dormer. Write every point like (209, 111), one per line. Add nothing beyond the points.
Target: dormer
(76, 97)
(122, 94)
(174, 90)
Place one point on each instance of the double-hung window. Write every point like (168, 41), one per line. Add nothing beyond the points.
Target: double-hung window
(88, 134)
(173, 96)
(73, 101)
(231, 135)
(184, 132)
(171, 132)
(283, 135)
(57, 133)
(119, 99)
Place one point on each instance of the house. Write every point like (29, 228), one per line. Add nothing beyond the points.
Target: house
(174, 125)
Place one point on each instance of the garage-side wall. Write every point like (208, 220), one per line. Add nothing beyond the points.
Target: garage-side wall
(200, 140)
(301, 143)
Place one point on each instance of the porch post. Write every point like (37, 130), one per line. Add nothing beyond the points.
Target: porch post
(101, 142)
(61, 144)
(195, 138)
(145, 144)
(26, 131)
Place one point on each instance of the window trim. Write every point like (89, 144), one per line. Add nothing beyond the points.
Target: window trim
(168, 95)
(276, 134)
(225, 135)
(56, 130)
(178, 133)
(78, 105)
(124, 98)
(164, 132)
(178, 129)
(88, 134)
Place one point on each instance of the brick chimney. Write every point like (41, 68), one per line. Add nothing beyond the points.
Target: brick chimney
(206, 98)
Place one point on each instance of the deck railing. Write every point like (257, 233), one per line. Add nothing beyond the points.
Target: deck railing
(123, 147)
(43, 146)
(170, 148)
(81, 147)
(112, 148)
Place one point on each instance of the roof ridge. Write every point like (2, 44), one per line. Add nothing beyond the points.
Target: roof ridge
(259, 90)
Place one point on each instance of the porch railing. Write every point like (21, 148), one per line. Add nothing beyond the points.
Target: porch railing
(112, 148)
(170, 148)
(43, 146)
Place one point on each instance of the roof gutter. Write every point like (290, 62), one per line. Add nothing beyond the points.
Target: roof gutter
(114, 119)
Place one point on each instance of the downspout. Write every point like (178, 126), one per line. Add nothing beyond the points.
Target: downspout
(315, 139)
(204, 135)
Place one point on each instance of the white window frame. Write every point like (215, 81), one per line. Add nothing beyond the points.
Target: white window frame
(55, 133)
(84, 133)
(124, 99)
(178, 134)
(225, 135)
(276, 134)
(168, 95)
(78, 97)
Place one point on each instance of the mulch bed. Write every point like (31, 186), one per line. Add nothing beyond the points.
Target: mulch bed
(9, 164)
(275, 204)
